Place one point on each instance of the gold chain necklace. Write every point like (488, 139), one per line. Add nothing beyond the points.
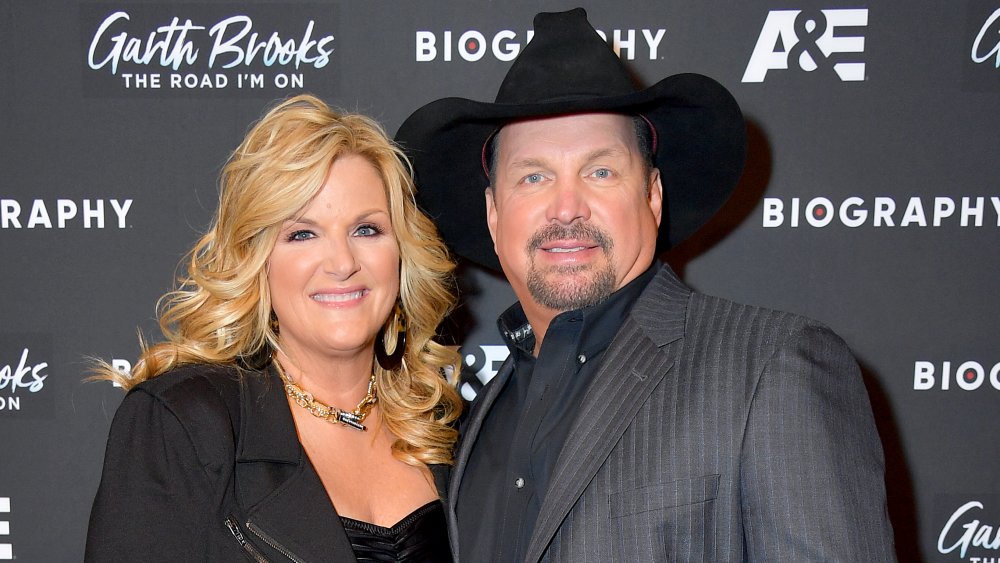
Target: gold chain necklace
(330, 414)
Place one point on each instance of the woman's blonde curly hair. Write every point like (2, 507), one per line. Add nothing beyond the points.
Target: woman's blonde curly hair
(220, 312)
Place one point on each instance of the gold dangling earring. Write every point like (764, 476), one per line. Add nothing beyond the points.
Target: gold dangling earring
(390, 362)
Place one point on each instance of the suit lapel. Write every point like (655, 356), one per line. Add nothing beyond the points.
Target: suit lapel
(638, 358)
(466, 442)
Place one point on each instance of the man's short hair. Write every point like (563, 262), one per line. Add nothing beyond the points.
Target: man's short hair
(643, 138)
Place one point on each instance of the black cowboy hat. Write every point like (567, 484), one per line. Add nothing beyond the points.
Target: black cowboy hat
(699, 137)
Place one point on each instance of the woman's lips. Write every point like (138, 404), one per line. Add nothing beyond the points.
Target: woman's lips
(339, 296)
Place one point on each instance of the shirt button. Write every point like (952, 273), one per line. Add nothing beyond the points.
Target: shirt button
(519, 483)
(582, 359)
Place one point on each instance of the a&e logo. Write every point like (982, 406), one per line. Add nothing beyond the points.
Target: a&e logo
(812, 40)
(480, 366)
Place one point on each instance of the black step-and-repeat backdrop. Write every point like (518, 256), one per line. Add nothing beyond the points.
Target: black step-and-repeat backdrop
(871, 201)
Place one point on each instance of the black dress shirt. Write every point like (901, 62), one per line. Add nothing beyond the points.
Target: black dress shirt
(508, 472)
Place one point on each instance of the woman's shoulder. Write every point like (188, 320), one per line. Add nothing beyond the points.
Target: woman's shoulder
(191, 378)
(196, 390)
(192, 410)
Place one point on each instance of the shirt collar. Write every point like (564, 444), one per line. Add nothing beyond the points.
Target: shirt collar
(600, 322)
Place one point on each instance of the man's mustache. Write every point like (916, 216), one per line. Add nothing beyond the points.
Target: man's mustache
(581, 231)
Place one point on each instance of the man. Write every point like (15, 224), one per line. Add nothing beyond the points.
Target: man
(635, 420)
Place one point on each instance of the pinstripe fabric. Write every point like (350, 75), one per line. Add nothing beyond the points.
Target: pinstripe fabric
(713, 431)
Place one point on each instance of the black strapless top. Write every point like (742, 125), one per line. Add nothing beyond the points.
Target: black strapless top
(420, 537)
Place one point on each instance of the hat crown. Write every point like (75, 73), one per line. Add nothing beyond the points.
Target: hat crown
(568, 68)
(566, 59)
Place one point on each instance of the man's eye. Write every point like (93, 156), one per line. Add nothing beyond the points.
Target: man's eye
(533, 178)
(602, 173)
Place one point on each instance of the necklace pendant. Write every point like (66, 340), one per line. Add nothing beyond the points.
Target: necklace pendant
(350, 419)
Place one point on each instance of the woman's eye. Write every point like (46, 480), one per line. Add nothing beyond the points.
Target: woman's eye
(300, 235)
(368, 231)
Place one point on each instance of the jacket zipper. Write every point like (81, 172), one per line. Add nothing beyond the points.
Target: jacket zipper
(248, 547)
(274, 545)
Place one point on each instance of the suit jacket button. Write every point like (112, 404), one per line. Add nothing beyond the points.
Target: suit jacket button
(519, 483)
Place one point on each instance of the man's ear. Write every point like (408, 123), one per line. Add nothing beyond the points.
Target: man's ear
(655, 195)
(491, 214)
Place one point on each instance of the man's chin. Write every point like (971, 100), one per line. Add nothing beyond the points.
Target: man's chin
(567, 271)
(563, 290)
(566, 278)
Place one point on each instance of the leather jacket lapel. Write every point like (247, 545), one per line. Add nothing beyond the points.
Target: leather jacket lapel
(285, 502)
(299, 520)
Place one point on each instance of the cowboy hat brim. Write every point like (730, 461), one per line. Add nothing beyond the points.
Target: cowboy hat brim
(700, 148)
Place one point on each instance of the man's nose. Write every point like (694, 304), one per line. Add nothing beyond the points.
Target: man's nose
(568, 202)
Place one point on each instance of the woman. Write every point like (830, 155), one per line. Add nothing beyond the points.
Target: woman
(297, 409)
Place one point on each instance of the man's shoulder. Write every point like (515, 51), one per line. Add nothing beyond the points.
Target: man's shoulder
(668, 300)
(715, 315)
(713, 306)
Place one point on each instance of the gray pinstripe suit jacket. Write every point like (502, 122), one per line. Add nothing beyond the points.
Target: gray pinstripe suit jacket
(712, 431)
